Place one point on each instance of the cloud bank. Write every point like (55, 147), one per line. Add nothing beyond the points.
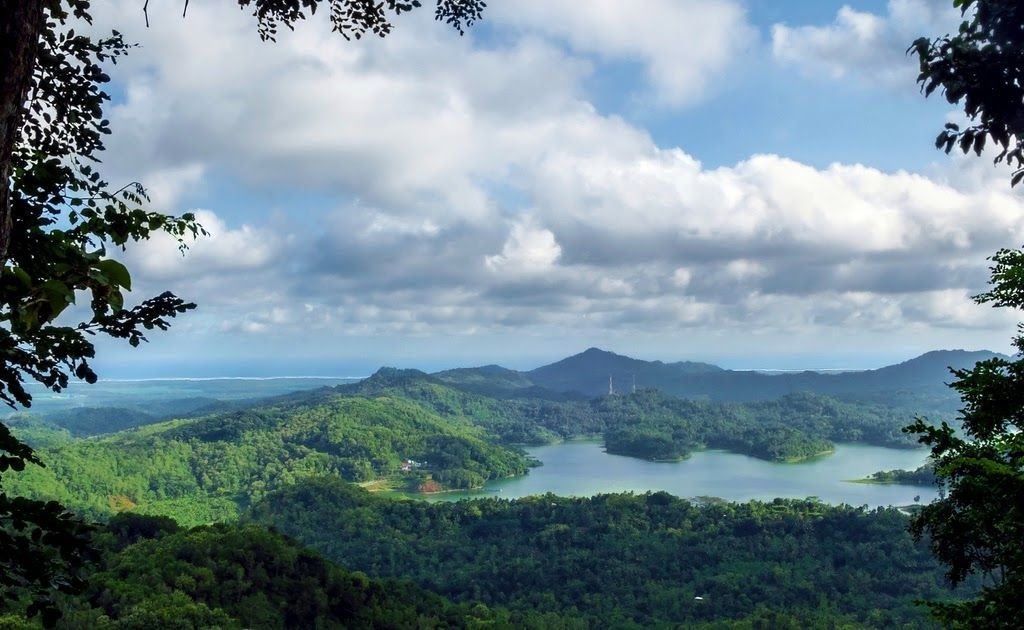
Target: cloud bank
(469, 186)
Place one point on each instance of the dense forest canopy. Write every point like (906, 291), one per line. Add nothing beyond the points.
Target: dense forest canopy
(207, 469)
(629, 560)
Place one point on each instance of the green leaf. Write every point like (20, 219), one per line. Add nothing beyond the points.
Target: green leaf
(58, 295)
(22, 276)
(116, 272)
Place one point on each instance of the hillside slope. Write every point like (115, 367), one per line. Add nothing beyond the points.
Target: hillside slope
(152, 575)
(207, 469)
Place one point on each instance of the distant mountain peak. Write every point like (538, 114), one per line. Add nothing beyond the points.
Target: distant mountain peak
(596, 370)
(956, 353)
(396, 374)
(941, 360)
(493, 368)
(594, 353)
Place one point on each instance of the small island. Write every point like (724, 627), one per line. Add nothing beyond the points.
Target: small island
(923, 476)
(657, 427)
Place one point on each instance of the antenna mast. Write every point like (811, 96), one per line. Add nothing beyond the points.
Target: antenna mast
(611, 387)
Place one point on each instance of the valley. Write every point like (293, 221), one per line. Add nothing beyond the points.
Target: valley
(418, 433)
(476, 463)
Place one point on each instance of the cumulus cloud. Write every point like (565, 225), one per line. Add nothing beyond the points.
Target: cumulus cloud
(863, 46)
(656, 241)
(471, 188)
(222, 252)
(529, 248)
(417, 121)
(683, 45)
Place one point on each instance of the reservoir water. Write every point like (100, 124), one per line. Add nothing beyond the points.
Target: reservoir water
(584, 469)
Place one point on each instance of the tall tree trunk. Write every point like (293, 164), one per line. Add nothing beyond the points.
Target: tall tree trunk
(21, 22)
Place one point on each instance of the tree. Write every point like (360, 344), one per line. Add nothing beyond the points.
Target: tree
(58, 218)
(982, 69)
(978, 526)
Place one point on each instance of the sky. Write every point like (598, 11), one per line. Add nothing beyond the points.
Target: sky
(747, 182)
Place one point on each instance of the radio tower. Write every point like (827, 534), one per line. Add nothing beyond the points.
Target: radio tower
(611, 388)
(634, 383)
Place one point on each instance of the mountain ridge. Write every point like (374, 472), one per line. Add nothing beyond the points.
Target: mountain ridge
(594, 370)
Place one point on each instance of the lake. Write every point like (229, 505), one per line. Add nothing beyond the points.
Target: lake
(583, 469)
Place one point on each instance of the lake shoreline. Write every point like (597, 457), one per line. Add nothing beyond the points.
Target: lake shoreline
(584, 468)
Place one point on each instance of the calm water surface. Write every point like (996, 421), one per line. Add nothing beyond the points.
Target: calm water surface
(584, 469)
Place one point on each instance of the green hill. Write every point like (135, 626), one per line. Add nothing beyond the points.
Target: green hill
(498, 382)
(615, 560)
(150, 574)
(624, 560)
(513, 420)
(413, 432)
(207, 469)
(654, 425)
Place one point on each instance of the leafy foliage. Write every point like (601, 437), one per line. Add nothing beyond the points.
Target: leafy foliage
(982, 69)
(979, 526)
(59, 217)
(353, 19)
(624, 560)
(63, 217)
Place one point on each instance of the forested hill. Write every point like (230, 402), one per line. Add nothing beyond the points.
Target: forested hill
(651, 424)
(916, 386)
(630, 561)
(499, 382)
(207, 469)
(152, 574)
(918, 381)
(210, 468)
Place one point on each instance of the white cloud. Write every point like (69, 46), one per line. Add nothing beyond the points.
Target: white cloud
(529, 248)
(419, 121)
(224, 251)
(473, 189)
(863, 46)
(683, 44)
(681, 277)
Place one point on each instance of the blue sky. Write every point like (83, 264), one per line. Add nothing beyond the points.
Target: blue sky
(750, 183)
